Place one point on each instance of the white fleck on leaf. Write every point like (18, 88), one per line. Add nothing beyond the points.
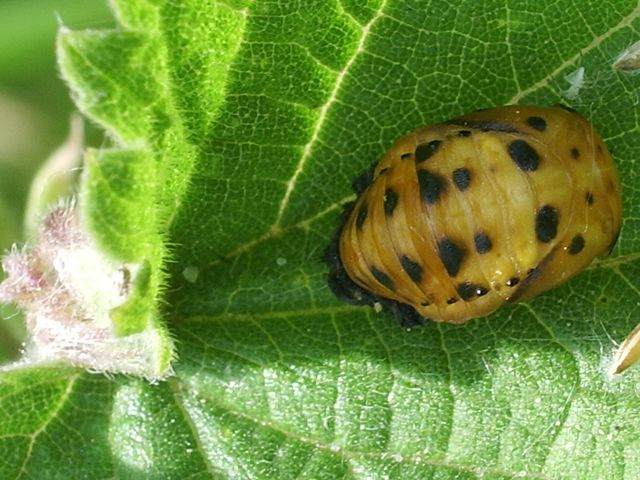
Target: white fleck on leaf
(576, 82)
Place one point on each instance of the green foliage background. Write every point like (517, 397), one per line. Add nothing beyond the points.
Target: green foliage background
(34, 112)
(251, 118)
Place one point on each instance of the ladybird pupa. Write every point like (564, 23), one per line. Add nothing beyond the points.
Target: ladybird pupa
(490, 208)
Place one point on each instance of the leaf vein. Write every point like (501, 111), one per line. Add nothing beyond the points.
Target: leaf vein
(350, 455)
(595, 43)
(308, 148)
(175, 390)
(33, 437)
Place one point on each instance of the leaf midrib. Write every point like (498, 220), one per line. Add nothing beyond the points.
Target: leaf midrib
(178, 385)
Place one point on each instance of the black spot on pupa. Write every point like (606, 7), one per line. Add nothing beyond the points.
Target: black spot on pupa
(405, 156)
(589, 198)
(532, 276)
(484, 126)
(497, 127)
(538, 123)
(339, 281)
(406, 314)
(383, 278)
(384, 171)
(466, 290)
(345, 289)
(534, 273)
(482, 242)
(613, 243)
(431, 186)
(462, 178)
(464, 133)
(529, 280)
(524, 155)
(513, 281)
(362, 216)
(546, 223)
(576, 245)
(575, 153)
(426, 150)
(425, 304)
(413, 269)
(451, 256)
(390, 201)
(564, 107)
(451, 301)
(361, 183)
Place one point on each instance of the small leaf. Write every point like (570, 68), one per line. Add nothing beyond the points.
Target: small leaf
(118, 203)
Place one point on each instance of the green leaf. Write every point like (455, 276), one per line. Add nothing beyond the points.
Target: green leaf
(237, 129)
